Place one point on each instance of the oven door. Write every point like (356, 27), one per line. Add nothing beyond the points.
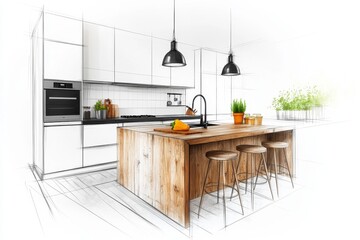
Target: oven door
(61, 105)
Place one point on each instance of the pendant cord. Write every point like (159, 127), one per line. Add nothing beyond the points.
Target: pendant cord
(174, 23)
(230, 32)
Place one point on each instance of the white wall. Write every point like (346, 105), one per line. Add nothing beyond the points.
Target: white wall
(327, 57)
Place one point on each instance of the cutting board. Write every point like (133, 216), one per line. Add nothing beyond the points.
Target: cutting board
(169, 130)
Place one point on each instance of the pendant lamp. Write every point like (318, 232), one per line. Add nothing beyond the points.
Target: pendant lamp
(174, 58)
(230, 69)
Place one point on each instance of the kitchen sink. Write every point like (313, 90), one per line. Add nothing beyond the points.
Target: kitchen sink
(197, 125)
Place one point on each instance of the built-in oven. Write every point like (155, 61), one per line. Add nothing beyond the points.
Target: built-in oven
(62, 101)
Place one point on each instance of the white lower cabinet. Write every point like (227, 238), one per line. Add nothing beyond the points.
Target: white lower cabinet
(62, 148)
(99, 155)
(100, 144)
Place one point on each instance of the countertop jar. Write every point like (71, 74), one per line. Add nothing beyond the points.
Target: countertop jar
(87, 112)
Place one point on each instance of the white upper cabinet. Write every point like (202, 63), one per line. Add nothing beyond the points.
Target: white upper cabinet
(132, 58)
(62, 61)
(223, 100)
(222, 60)
(210, 92)
(184, 76)
(98, 53)
(160, 74)
(62, 48)
(208, 62)
(62, 29)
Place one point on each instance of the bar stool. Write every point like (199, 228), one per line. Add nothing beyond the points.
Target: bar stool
(253, 149)
(220, 157)
(280, 146)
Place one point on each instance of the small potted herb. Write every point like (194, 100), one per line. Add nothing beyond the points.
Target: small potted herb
(238, 108)
(100, 110)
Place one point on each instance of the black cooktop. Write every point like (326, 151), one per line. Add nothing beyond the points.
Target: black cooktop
(137, 116)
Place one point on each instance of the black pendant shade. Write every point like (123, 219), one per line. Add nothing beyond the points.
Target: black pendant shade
(174, 58)
(230, 69)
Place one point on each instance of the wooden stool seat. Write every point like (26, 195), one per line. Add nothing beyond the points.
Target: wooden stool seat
(275, 144)
(251, 149)
(280, 147)
(220, 155)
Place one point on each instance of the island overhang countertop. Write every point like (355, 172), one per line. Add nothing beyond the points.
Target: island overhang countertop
(217, 133)
(167, 170)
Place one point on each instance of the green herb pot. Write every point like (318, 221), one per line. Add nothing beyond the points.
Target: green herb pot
(100, 114)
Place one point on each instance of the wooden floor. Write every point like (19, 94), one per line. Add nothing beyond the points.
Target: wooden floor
(323, 204)
(97, 199)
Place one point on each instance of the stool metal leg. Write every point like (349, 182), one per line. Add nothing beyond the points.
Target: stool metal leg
(276, 169)
(218, 185)
(267, 175)
(223, 173)
(252, 181)
(287, 165)
(247, 171)
(268, 163)
(237, 186)
(237, 169)
(257, 172)
(203, 189)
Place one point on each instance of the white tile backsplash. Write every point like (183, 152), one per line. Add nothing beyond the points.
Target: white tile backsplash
(132, 100)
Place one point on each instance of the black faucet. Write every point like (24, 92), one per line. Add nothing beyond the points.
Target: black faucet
(203, 122)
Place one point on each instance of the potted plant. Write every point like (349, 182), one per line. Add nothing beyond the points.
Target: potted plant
(100, 110)
(238, 108)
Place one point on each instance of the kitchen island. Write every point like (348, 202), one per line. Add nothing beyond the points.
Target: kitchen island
(167, 170)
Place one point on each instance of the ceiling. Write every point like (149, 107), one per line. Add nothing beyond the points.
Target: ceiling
(205, 23)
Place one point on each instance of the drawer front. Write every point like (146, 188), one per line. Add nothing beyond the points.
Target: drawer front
(98, 135)
(99, 155)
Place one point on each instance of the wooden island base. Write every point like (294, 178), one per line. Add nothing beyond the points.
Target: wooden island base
(167, 170)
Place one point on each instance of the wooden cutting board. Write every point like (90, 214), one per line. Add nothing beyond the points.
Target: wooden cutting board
(169, 130)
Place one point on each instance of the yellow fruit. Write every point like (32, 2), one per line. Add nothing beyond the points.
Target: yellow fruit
(180, 126)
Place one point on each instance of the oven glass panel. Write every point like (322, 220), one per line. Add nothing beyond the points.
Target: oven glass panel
(62, 102)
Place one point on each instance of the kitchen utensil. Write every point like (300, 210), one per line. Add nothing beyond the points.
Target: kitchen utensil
(189, 111)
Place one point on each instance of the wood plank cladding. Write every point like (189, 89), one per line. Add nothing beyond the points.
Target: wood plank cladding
(167, 170)
(155, 169)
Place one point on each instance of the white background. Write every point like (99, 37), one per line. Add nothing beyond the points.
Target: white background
(282, 43)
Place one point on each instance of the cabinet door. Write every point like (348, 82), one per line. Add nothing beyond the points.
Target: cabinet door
(223, 95)
(184, 76)
(209, 92)
(160, 74)
(62, 29)
(98, 53)
(132, 58)
(62, 61)
(208, 62)
(222, 60)
(62, 148)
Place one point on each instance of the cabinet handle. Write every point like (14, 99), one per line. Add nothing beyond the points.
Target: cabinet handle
(62, 98)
